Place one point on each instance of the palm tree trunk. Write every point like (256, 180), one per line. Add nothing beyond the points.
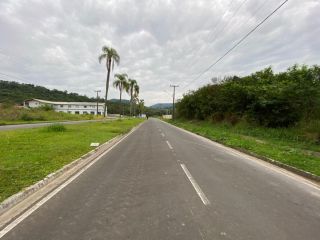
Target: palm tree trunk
(131, 93)
(121, 106)
(107, 88)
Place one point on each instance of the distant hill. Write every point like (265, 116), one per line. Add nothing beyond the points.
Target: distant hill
(161, 106)
(117, 100)
(13, 92)
(16, 93)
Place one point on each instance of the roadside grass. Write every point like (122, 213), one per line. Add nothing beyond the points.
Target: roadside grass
(19, 115)
(28, 155)
(296, 147)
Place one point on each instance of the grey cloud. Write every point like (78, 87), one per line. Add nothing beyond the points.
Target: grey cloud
(56, 43)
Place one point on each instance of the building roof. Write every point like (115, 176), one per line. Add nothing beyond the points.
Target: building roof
(64, 103)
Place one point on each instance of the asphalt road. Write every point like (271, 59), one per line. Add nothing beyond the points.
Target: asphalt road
(163, 183)
(36, 125)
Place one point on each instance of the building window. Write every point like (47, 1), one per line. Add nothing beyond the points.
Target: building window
(92, 113)
(61, 106)
(85, 106)
(69, 112)
(84, 112)
(76, 112)
(99, 113)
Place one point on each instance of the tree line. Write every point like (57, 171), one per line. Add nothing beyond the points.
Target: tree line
(265, 98)
(16, 93)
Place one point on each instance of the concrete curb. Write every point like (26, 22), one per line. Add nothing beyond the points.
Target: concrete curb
(292, 169)
(15, 199)
(295, 170)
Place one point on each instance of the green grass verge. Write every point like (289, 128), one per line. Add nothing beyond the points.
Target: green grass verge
(289, 146)
(28, 155)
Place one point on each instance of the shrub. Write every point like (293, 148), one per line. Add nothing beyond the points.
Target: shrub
(264, 98)
(46, 108)
(26, 117)
(56, 127)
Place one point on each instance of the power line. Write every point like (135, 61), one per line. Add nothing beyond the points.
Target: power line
(254, 13)
(214, 29)
(238, 43)
(228, 22)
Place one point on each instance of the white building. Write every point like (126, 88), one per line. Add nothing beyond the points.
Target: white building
(67, 107)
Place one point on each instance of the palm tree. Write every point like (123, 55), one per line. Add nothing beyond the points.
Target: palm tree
(121, 83)
(141, 106)
(132, 87)
(111, 56)
(135, 98)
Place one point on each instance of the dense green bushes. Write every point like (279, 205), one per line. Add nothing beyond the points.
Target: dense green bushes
(266, 98)
(14, 114)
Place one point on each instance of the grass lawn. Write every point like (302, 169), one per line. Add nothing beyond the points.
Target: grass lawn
(290, 146)
(28, 155)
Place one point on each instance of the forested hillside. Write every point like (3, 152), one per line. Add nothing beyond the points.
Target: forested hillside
(13, 92)
(16, 93)
(265, 98)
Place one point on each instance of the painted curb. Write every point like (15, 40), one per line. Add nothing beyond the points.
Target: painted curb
(12, 201)
(292, 169)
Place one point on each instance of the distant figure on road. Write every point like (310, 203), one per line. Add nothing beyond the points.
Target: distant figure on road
(147, 115)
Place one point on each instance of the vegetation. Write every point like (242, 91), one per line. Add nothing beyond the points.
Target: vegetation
(15, 93)
(111, 56)
(13, 115)
(121, 83)
(298, 147)
(133, 91)
(263, 98)
(56, 127)
(28, 155)
(272, 115)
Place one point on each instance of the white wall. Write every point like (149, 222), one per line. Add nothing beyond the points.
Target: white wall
(68, 108)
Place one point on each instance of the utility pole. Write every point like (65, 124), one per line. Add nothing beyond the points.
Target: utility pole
(174, 94)
(97, 91)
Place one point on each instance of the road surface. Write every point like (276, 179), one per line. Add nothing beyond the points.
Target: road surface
(164, 183)
(36, 125)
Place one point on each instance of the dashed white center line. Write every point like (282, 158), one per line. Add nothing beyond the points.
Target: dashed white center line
(195, 185)
(169, 145)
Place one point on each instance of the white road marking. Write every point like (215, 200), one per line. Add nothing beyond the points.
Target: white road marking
(195, 185)
(169, 145)
(18, 220)
(162, 134)
(268, 165)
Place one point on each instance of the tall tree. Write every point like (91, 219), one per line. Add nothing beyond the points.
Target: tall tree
(111, 56)
(141, 106)
(132, 89)
(121, 83)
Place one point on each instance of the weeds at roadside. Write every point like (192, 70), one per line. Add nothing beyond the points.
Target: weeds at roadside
(57, 127)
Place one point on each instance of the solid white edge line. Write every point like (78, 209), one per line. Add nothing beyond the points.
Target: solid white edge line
(195, 185)
(14, 223)
(261, 162)
(169, 145)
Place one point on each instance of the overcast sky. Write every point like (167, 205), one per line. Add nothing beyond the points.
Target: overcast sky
(56, 43)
